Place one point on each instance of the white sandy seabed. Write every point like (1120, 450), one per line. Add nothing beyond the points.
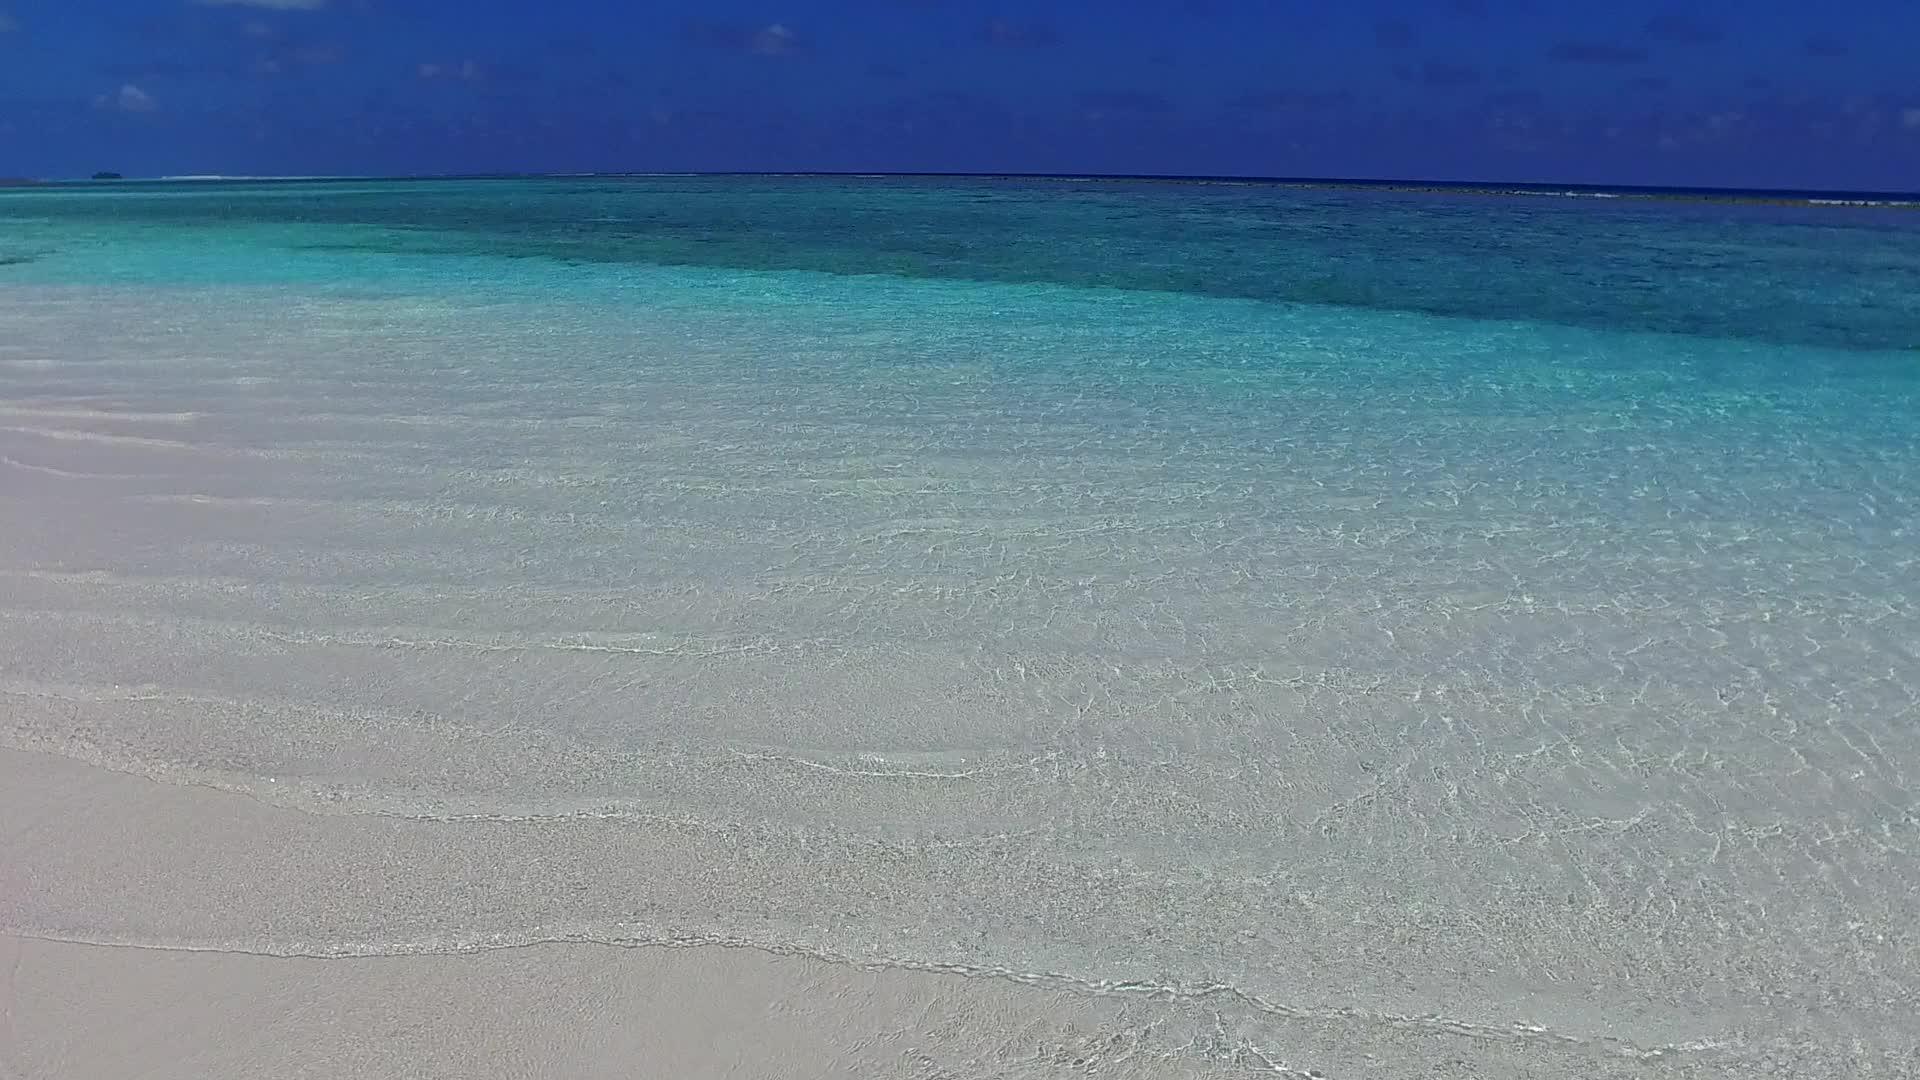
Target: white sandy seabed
(409, 687)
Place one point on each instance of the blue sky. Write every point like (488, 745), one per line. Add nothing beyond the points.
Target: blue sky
(1760, 93)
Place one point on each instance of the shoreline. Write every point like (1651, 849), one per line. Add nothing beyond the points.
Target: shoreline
(552, 1006)
(559, 1010)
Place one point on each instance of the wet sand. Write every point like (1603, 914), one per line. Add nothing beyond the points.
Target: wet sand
(556, 1010)
(96, 844)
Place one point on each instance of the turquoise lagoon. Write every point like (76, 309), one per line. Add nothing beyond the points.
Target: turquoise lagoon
(1483, 630)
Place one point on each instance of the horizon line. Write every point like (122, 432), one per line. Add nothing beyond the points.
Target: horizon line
(1808, 196)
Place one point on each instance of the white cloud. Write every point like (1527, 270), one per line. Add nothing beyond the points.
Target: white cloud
(6, 22)
(775, 40)
(129, 98)
(271, 5)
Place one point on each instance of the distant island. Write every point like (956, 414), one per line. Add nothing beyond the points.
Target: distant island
(108, 176)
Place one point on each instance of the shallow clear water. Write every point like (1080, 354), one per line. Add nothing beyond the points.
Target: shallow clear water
(1493, 620)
